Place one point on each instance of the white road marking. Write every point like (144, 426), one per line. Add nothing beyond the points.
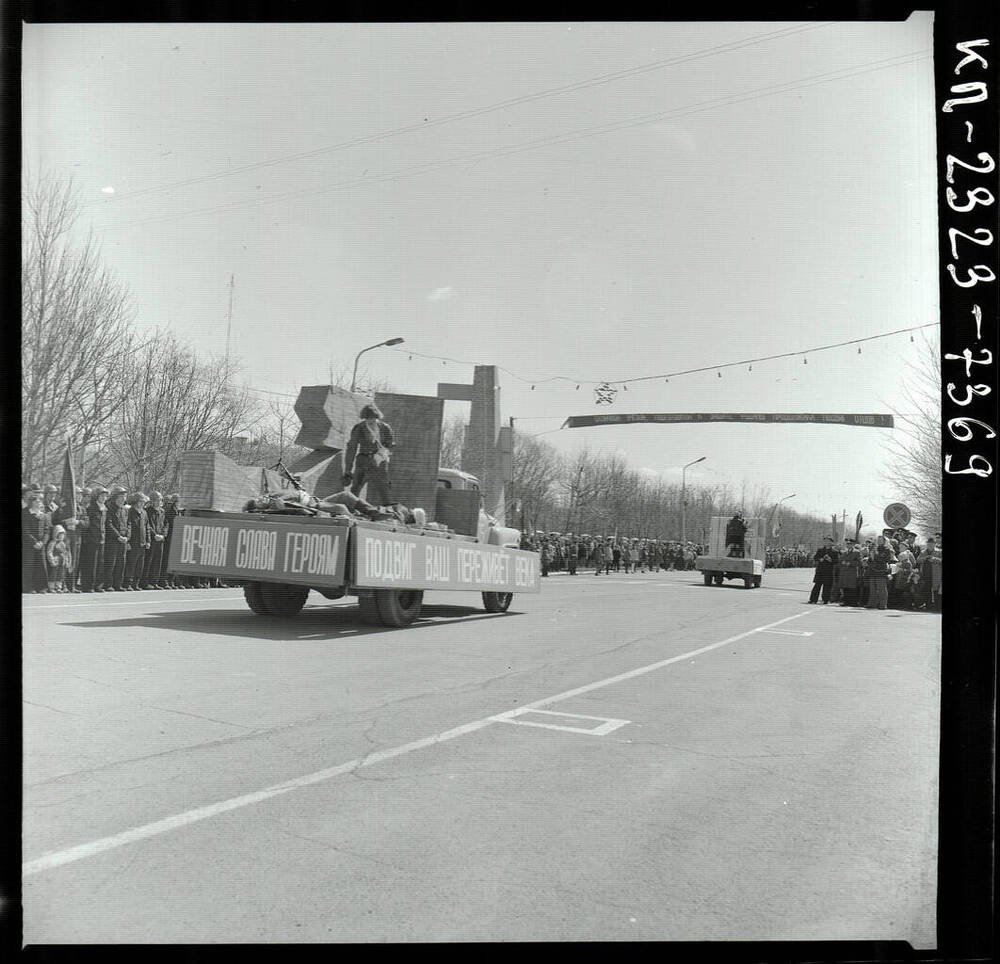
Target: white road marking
(608, 724)
(61, 857)
(787, 632)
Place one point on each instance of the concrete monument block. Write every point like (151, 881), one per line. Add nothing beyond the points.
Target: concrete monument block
(327, 414)
(416, 425)
(211, 480)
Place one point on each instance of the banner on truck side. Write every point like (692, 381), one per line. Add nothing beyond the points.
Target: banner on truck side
(279, 552)
(399, 560)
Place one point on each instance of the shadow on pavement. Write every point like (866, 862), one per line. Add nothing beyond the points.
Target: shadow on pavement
(314, 622)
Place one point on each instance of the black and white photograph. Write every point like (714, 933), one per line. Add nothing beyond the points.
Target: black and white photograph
(503, 475)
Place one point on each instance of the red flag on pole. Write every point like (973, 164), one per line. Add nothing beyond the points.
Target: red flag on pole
(69, 482)
(857, 526)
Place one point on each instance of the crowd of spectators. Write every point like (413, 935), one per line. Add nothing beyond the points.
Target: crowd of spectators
(569, 552)
(114, 541)
(889, 572)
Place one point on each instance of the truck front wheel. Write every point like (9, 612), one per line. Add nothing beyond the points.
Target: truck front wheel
(398, 607)
(707, 576)
(284, 600)
(497, 602)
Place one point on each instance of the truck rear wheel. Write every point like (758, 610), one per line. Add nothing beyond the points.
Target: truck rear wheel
(398, 607)
(718, 578)
(284, 600)
(255, 598)
(497, 602)
(707, 576)
(747, 582)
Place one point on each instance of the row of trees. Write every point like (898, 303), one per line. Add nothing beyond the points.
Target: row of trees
(599, 494)
(132, 404)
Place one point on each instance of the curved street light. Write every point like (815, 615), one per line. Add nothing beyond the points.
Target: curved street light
(391, 341)
(684, 497)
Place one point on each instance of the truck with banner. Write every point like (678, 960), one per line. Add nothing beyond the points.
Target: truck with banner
(736, 550)
(388, 565)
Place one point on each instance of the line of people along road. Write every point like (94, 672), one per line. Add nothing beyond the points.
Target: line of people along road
(113, 541)
(880, 573)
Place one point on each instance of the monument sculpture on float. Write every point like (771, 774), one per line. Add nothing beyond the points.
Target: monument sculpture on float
(326, 413)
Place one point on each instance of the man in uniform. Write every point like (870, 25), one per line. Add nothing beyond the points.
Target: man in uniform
(366, 461)
(157, 521)
(116, 533)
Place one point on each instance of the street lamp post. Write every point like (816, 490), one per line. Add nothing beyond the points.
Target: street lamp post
(774, 509)
(684, 504)
(354, 376)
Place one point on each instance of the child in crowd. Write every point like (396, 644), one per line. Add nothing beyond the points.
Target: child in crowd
(59, 558)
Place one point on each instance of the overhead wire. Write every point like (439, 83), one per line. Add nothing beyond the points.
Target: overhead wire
(585, 84)
(551, 140)
(688, 371)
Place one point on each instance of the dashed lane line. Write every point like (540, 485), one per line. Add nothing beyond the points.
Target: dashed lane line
(60, 858)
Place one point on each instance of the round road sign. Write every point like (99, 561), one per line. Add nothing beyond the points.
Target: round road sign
(896, 516)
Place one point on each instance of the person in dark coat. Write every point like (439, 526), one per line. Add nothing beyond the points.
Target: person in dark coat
(736, 530)
(171, 510)
(138, 541)
(366, 461)
(92, 542)
(825, 559)
(35, 526)
(879, 561)
(116, 533)
(928, 592)
(157, 522)
(850, 574)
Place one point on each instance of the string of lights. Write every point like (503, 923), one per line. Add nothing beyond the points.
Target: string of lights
(605, 383)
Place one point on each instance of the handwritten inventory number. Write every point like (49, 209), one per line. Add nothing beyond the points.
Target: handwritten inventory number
(961, 428)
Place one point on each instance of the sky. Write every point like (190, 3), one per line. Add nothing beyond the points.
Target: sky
(581, 201)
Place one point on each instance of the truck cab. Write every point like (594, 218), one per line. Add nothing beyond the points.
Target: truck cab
(456, 479)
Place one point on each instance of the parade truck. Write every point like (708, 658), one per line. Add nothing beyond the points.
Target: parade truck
(733, 554)
(282, 534)
(387, 564)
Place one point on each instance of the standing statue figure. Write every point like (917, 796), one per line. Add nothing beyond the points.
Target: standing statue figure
(736, 530)
(366, 461)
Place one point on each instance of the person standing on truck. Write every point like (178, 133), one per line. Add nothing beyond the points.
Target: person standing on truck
(366, 461)
(736, 530)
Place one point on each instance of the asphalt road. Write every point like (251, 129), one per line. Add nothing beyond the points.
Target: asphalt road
(694, 763)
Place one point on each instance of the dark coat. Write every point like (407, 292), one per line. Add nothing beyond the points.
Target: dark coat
(138, 522)
(93, 532)
(116, 525)
(157, 520)
(878, 561)
(825, 558)
(34, 528)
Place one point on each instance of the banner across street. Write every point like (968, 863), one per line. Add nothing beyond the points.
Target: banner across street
(626, 418)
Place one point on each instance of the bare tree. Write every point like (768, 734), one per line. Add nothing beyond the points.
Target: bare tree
(915, 446)
(452, 440)
(76, 339)
(184, 403)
